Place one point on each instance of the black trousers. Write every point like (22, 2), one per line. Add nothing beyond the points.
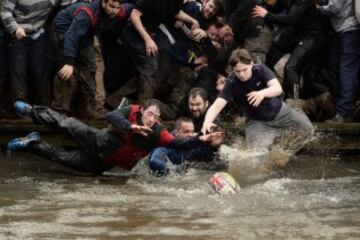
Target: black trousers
(88, 157)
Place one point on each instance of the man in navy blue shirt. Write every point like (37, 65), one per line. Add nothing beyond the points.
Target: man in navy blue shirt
(255, 88)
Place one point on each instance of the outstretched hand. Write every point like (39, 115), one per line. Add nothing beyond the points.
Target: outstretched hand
(207, 128)
(142, 130)
(215, 138)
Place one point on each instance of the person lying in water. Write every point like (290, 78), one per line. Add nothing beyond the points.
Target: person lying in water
(255, 88)
(164, 159)
(133, 132)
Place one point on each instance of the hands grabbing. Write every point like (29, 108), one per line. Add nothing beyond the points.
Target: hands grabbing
(215, 138)
(142, 130)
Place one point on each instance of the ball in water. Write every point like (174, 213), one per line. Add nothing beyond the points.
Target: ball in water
(223, 183)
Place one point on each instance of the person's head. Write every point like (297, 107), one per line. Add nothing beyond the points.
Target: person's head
(150, 112)
(270, 2)
(210, 8)
(184, 127)
(111, 7)
(213, 30)
(241, 62)
(226, 35)
(198, 101)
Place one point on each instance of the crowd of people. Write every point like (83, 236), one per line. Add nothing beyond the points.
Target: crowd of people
(192, 61)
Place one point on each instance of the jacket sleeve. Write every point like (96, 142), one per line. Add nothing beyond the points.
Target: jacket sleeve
(125, 11)
(77, 30)
(6, 10)
(167, 139)
(296, 11)
(118, 119)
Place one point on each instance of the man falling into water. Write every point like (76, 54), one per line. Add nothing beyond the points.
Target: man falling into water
(133, 132)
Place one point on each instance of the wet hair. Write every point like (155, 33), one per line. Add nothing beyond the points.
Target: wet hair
(198, 91)
(180, 120)
(240, 55)
(151, 102)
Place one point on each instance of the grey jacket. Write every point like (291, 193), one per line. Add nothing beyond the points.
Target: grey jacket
(341, 14)
(28, 14)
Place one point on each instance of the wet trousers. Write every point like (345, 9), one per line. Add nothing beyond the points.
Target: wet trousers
(262, 134)
(88, 157)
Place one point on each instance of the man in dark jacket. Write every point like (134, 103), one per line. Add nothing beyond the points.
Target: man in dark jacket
(310, 35)
(133, 132)
(74, 29)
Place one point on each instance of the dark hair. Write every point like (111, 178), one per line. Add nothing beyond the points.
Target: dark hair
(240, 55)
(218, 4)
(181, 120)
(198, 91)
(217, 23)
(151, 102)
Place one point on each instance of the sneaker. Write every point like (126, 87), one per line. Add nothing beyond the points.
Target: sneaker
(21, 143)
(338, 119)
(22, 108)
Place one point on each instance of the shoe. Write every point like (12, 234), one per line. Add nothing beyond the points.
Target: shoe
(21, 143)
(338, 119)
(123, 103)
(22, 108)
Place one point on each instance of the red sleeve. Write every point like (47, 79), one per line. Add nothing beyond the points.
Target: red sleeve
(124, 11)
(165, 138)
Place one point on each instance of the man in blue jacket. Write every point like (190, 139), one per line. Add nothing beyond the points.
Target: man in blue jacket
(74, 29)
(163, 159)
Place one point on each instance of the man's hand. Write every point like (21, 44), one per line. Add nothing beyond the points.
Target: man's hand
(199, 34)
(259, 11)
(195, 25)
(207, 127)
(151, 48)
(142, 130)
(215, 138)
(66, 72)
(255, 98)
(220, 83)
(200, 62)
(20, 33)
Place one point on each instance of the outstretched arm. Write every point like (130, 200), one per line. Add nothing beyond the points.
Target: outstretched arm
(212, 113)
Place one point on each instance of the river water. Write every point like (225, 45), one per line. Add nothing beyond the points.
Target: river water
(315, 197)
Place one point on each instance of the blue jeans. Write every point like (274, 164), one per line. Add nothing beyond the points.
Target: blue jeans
(344, 65)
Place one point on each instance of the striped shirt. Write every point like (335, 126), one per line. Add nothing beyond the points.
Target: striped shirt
(28, 14)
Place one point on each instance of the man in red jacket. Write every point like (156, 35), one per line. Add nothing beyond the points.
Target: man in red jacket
(133, 132)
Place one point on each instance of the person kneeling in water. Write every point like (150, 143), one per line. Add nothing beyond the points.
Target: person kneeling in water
(133, 132)
(162, 158)
(255, 88)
